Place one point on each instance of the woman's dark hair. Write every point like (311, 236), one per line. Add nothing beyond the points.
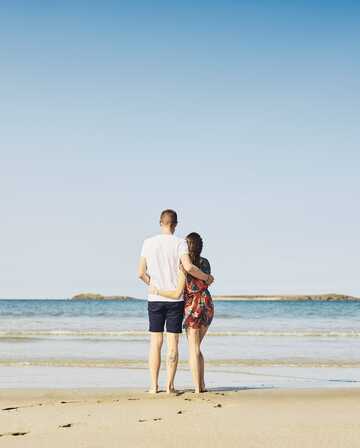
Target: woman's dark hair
(195, 244)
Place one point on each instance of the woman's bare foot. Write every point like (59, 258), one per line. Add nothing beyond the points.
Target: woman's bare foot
(153, 390)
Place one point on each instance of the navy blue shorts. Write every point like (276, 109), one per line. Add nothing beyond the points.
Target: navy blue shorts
(171, 313)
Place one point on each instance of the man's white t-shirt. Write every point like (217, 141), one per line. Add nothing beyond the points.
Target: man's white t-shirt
(163, 254)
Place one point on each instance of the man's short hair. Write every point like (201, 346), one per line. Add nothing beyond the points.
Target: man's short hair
(168, 217)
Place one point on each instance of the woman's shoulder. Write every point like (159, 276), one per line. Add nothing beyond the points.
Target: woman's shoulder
(205, 265)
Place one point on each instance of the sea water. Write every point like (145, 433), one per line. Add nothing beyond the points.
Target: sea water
(67, 343)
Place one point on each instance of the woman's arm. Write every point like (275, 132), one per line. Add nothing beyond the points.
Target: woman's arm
(173, 294)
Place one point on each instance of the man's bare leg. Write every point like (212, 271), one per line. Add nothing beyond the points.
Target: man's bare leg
(156, 341)
(172, 360)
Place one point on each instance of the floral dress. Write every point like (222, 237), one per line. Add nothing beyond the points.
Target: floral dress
(199, 308)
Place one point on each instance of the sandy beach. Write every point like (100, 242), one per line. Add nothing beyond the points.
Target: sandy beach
(97, 418)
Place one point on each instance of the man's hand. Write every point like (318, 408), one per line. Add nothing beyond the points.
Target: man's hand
(153, 289)
(210, 280)
(192, 269)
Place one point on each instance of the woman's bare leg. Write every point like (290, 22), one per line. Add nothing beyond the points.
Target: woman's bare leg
(193, 335)
(203, 331)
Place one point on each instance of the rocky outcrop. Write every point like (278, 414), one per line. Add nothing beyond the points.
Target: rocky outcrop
(290, 297)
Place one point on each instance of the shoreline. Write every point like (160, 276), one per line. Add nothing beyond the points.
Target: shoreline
(94, 393)
(183, 363)
(277, 377)
(252, 417)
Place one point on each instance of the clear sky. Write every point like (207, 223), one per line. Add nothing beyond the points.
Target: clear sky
(242, 116)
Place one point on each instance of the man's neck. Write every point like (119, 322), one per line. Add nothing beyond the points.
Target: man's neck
(167, 231)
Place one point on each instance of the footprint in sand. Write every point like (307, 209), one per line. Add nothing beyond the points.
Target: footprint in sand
(12, 408)
(218, 405)
(67, 425)
(158, 419)
(18, 433)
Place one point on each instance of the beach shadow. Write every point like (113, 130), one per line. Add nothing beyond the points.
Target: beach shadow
(237, 389)
(178, 393)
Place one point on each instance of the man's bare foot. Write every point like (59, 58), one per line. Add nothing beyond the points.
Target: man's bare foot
(170, 389)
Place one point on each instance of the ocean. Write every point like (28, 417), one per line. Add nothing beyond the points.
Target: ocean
(66, 343)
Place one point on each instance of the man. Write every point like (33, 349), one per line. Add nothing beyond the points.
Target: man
(159, 264)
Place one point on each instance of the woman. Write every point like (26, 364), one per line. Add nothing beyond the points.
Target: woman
(199, 308)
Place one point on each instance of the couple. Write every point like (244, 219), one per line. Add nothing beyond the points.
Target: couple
(178, 279)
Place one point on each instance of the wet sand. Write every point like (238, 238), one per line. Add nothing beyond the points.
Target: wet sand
(253, 418)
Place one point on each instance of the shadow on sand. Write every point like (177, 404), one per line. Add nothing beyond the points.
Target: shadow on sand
(224, 389)
(237, 389)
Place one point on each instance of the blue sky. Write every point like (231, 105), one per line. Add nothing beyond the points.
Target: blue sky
(243, 116)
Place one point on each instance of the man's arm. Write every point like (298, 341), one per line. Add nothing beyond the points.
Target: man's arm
(142, 271)
(194, 270)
